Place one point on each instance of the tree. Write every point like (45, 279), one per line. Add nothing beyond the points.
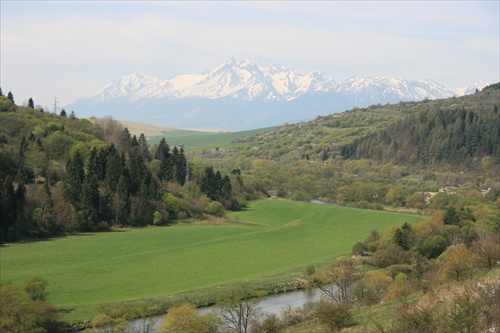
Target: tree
(433, 246)
(458, 262)
(10, 96)
(73, 180)
(20, 314)
(36, 159)
(90, 203)
(359, 249)
(337, 281)
(451, 216)
(172, 205)
(185, 319)
(35, 287)
(487, 246)
(237, 307)
(31, 104)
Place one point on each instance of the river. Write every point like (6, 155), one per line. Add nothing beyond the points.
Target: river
(269, 305)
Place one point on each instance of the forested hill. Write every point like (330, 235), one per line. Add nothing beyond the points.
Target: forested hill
(60, 174)
(458, 130)
(455, 131)
(369, 154)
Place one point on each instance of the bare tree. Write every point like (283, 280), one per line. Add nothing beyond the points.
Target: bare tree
(237, 307)
(337, 281)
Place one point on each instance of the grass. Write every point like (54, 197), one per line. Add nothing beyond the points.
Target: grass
(196, 141)
(268, 239)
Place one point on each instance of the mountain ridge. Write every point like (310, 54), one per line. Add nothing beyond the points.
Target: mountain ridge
(242, 88)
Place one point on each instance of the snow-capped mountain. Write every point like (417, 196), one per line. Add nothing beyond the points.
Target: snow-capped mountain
(244, 94)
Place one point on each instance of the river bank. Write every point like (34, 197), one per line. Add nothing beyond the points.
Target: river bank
(273, 304)
(80, 318)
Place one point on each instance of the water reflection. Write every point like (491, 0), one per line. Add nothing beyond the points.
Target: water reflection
(269, 305)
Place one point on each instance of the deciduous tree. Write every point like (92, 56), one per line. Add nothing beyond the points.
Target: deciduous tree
(237, 306)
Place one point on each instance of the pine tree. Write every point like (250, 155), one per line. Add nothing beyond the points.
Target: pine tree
(114, 166)
(73, 180)
(143, 148)
(181, 167)
(90, 203)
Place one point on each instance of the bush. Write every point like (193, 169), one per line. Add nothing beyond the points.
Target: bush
(157, 218)
(182, 215)
(334, 317)
(310, 270)
(415, 320)
(215, 208)
(359, 249)
(300, 196)
(270, 324)
(173, 206)
(35, 287)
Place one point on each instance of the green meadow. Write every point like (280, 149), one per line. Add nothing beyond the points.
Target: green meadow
(195, 140)
(269, 238)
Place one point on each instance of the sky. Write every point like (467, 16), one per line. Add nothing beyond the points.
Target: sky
(71, 49)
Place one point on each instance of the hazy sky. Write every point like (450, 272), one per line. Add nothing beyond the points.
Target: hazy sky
(70, 49)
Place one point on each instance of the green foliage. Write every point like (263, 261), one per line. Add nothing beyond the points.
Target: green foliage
(215, 208)
(415, 320)
(157, 218)
(185, 318)
(270, 324)
(359, 248)
(433, 246)
(334, 317)
(300, 196)
(35, 288)
(20, 313)
(172, 205)
(458, 263)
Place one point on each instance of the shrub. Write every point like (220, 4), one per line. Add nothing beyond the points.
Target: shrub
(300, 196)
(157, 218)
(182, 215)
(172, 205)
(359, 249)
(415, 320)
(334, 317)
(310, 270)
(215, 208)
(35, 287)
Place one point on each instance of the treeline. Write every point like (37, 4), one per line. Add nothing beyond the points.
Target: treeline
(62, 174)
(453, 134)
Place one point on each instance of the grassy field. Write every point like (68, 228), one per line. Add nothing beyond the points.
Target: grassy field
(269, 238)
(195, 141)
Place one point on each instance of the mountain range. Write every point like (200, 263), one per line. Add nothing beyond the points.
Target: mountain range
(244, 94)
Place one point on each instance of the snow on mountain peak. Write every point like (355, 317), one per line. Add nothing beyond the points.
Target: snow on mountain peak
(249, 80)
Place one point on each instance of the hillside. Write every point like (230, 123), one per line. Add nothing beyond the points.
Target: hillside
(61, 174)
(426, 144)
